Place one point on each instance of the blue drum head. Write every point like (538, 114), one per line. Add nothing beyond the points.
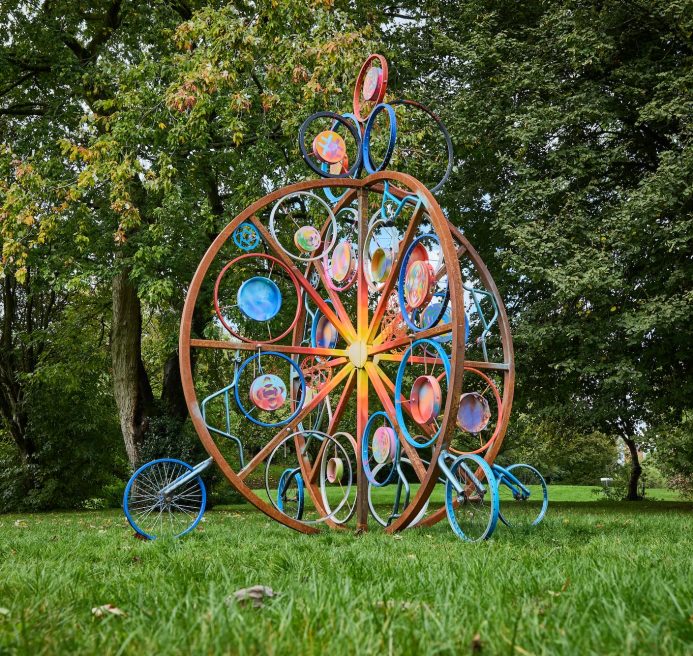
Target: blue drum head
(259, 299)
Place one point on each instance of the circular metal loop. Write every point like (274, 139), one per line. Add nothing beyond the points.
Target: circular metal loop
(366, 446)
(358, 87)
(302, 388)
(246, 236)
(275, 262)
(446, 136)
(332, 230)
(400, 381)
(367, 160)
(415, 248)
(325, 172)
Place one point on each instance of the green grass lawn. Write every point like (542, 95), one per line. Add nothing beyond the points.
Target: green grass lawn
(595, 578)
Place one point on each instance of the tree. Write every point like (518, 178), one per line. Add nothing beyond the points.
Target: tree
(572, 123)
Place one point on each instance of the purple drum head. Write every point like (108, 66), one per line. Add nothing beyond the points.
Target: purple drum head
(384, 444)
(425, 399)
(381, 264)
(268, 392)
(372, 83)
(418, 283)
(326, 334)
(335, 470)
(342, 264)
(307, 239)
(259, 298)
(474, 413)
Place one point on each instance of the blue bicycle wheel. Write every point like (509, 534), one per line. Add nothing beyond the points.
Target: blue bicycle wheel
(290, 493)
(524, 501)
(474, 513)
(156, 513)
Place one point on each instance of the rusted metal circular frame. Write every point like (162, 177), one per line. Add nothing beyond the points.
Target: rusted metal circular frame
(372, 183)
(293, 279)
(499, 419)
(358, 87)
(446, 135)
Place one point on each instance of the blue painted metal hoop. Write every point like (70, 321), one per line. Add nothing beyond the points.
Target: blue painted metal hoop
(450, 496)
(400, 286)
(314, 329)
(128, 487)
(364, 451)
(367, 161)
(545, 494)
(398, 389)
(284, 482)
(240, 243)
(237, 395)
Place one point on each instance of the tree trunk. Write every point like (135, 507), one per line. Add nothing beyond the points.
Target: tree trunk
(635, 470)
(172, 389)
(131, 388)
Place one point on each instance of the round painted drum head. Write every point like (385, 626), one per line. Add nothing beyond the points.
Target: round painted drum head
(418, 283)
(326, 334)
(381, 264)
(384, 444)
(372, 83)
(268, 392)
(342, 264)
(474, 413)
(335, 470)
(419, 252)
(259, 298)
(307, 239)
(329, 147)
(425, 399)
(431, 313)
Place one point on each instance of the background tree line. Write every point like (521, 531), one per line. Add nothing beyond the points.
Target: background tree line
(131, 132)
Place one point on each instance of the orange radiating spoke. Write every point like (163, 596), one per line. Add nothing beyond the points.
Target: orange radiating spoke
(260, 346)
(288, 428)
(394, 273)
(376, 376)
(440, 329)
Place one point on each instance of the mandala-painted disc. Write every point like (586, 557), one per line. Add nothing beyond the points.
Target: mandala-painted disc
(372, 83)
(417, 283)
(384, 444)
(342, 264)
(474, 413)
(259, 298)
(425, 399)
(431, 313)
(268, 392)
(329, 147)
(307, 239)
(381, 264)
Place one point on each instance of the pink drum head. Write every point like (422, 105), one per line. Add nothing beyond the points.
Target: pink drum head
(335, 470)
(474, 413)
(418, 283)
(419, 252)
(329, 147)
(381, 264)
(342, 261)
(307, 239)
(268, 392)
(425, 399)
(372, 83)
(326, 334)
(384, 444)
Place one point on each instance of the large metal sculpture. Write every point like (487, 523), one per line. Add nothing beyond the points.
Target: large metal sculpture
(369, 352)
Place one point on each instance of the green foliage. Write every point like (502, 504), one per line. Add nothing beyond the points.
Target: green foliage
(673, 454)
(562, 455)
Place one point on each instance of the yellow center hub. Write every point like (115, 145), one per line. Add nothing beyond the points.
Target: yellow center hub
(358, 353)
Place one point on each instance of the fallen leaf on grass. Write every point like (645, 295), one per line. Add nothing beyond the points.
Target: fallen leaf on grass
(256, 594)
(107, 609)
(402, 605)
(20, 523)
(476, 644)
(4, 612)
(397, 537)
